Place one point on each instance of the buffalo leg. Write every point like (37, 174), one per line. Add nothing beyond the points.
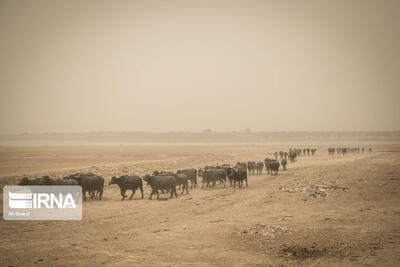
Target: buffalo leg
(183, 188)
(173, 192)
(133, 192)
(141, 190)
(123, 194)
(151, 194)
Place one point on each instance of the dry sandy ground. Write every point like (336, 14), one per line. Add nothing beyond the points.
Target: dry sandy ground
(273, 222)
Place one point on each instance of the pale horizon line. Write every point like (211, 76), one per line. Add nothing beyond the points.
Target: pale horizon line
(202, 132)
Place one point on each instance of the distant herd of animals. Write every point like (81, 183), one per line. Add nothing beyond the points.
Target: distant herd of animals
(344, 150)
(167, 181)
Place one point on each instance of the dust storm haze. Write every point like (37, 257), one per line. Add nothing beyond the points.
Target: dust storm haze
(254, 133)
(77, 66)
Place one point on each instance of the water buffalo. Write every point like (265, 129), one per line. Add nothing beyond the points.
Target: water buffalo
(161, 182)
(292, 156)
(212, 176)
(89, 182)
(284, 162)
(260, 167)
(267, 165)
(182, 181)
(272, 166)
(128, 182)
(191, 175)
(252, 167)
(237, 175)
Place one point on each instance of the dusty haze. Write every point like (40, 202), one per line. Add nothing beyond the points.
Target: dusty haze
(73, 66)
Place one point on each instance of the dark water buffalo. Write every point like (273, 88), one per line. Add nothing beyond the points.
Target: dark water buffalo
(267, 165)
(89, 182)
(272, 166)
(292, 156)
(284, 163)
(191, 175)
(161, 182)
(211, 176)
(128, 182)
(163, 173)
(183, 181)
(237, 175)
(260, 167)
(252, 167)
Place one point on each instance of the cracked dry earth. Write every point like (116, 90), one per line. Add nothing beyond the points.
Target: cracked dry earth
(325, 210)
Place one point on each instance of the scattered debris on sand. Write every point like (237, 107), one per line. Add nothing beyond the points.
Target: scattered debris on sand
(316, 191)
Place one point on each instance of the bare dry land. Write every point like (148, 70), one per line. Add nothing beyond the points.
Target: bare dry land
(276, 220)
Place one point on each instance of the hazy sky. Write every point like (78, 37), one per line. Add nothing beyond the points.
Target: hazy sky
(71, 66)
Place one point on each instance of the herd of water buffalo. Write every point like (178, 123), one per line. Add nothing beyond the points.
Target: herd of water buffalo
(345, 150)
(167, 181)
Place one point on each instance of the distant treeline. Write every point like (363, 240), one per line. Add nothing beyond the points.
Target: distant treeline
(206, 137)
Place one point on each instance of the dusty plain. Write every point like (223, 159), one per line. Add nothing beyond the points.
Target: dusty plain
(275, 221)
